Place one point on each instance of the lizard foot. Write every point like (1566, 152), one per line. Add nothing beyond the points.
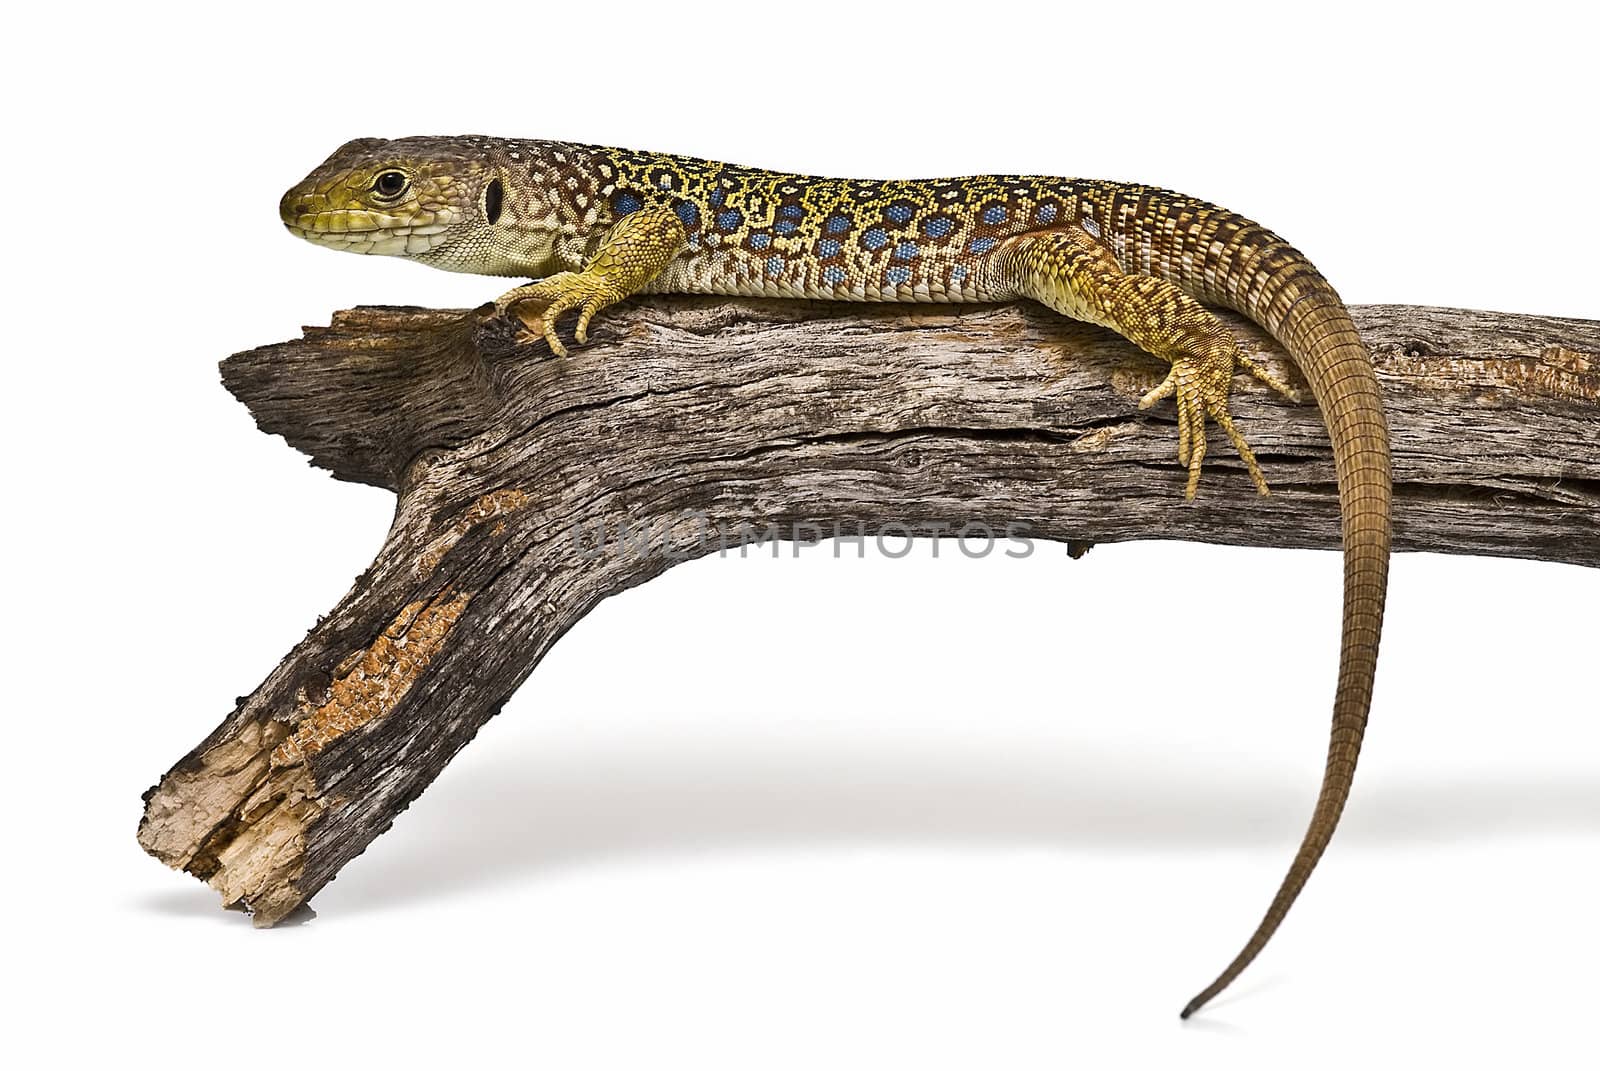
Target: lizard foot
(539, 305)
(1200, 380)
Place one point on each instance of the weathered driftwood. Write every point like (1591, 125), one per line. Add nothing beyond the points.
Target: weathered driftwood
(689, 423)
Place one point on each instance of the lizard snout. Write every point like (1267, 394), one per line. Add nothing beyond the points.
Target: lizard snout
(294, 206)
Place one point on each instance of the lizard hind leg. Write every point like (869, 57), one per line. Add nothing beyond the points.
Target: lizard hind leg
(1200, 385)
(1075, 275)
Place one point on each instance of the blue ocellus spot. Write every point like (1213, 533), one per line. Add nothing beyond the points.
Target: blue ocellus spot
(875, 238)
(983, 245)
(897, 275)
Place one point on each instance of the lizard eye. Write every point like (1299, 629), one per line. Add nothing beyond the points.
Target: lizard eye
(390, 183)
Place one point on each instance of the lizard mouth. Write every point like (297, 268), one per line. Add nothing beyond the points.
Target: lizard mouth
(363, 233)
(339, 221)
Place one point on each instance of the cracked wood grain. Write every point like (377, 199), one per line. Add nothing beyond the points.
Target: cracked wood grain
(515, 472)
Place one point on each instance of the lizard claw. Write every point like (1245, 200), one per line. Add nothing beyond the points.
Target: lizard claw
(1281, 386)
(1201, 382)
(539, 306)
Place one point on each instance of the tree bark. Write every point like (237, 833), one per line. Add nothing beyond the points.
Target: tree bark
(531, 487)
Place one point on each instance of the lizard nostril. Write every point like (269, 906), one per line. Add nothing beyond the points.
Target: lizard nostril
(296, 205)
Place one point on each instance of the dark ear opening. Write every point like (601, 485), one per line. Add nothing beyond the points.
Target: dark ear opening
(493, 198)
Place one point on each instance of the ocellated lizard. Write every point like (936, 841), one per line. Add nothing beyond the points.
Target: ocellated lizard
(594, 225)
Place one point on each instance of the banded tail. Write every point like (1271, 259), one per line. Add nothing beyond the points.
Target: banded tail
(1231, 262)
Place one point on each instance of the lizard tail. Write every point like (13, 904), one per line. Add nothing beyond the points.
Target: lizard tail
(1282, 291)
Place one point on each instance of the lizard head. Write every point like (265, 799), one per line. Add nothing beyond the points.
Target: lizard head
(438, 201)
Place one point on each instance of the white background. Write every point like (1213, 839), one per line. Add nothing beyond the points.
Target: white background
(802, 813)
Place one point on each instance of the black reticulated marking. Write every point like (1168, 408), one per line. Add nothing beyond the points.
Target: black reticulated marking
(493, 200)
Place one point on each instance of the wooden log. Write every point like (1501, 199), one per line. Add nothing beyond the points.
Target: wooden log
(531, 487)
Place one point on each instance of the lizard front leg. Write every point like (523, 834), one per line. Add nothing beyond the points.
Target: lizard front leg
(1074, 274)
(632, 253)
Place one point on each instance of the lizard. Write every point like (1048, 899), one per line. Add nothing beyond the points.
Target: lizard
(592, 225)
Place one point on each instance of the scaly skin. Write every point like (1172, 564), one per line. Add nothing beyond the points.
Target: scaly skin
(595, 225)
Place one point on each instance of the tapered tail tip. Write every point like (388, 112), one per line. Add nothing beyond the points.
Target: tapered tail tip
(1199, 1002)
